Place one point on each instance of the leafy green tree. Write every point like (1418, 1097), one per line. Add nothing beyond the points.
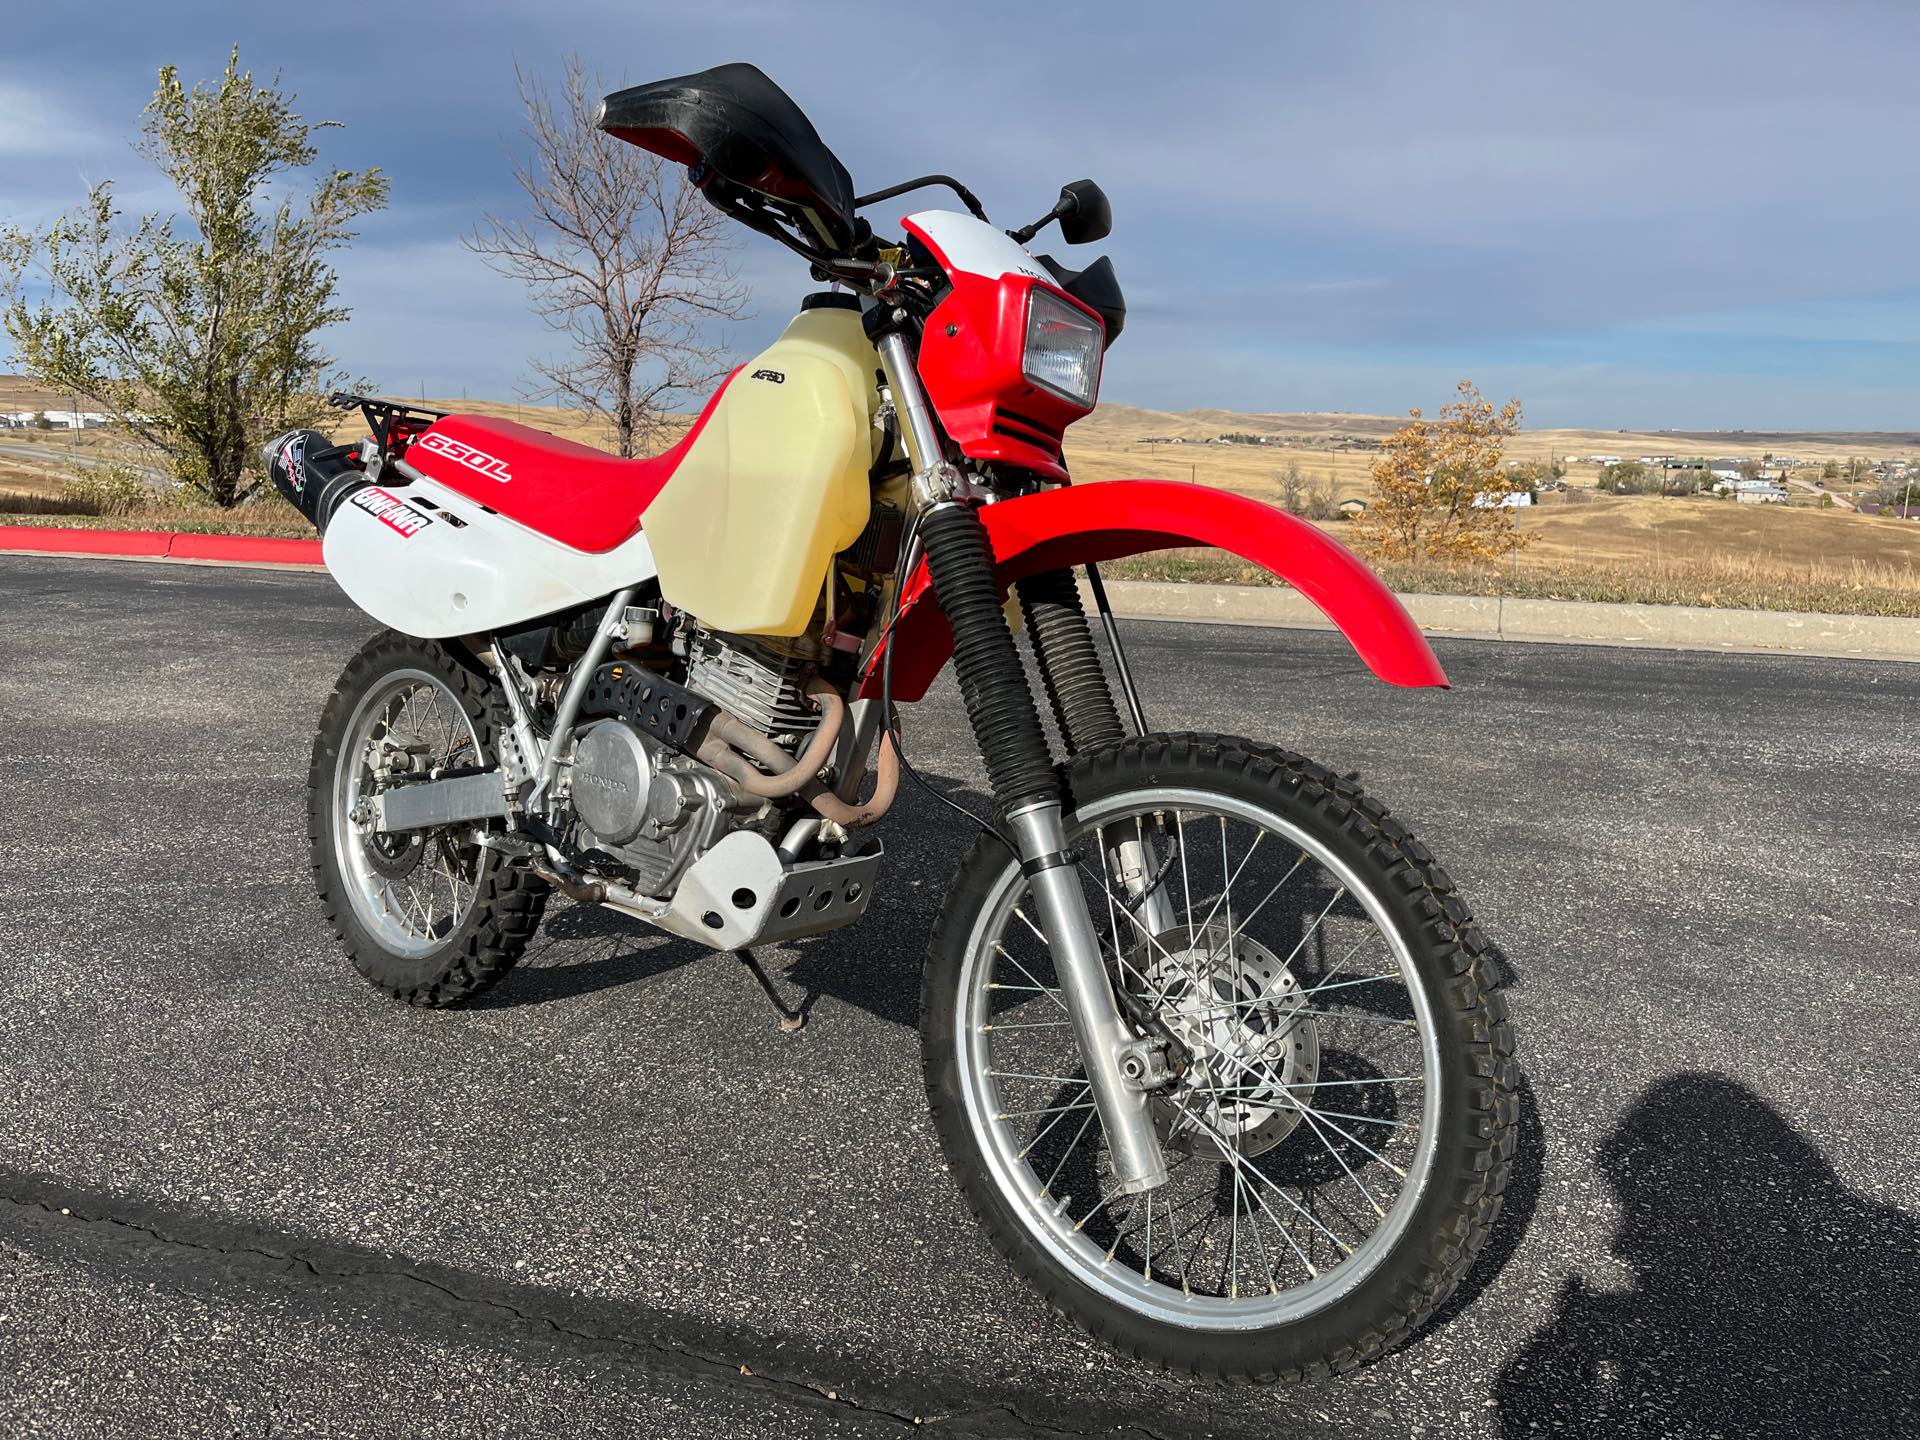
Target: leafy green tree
(196, 331)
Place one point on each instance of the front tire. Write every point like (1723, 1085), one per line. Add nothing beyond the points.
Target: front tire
(430, 918)
(1293, 1114)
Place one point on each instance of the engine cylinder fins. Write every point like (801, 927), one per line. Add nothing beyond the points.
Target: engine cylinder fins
(756, 682)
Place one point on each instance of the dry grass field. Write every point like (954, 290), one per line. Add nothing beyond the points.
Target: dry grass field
(1582, 543)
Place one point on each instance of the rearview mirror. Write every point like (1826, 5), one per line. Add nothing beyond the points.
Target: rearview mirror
(1085, 213)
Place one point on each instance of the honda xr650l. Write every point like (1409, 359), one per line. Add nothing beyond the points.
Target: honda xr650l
(1210, 1039)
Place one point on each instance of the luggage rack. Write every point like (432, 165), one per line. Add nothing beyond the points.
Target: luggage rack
(393, 426)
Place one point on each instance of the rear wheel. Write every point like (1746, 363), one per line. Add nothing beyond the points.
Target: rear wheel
(1340, 1135)
(430, 917)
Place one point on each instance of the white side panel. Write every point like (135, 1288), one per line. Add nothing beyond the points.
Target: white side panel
(407, 566)
(974, 246)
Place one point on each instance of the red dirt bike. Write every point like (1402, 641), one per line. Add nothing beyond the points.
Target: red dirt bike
(1210, 1040)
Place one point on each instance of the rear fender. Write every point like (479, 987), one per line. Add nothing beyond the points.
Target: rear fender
(1086, 524)
(431, 562)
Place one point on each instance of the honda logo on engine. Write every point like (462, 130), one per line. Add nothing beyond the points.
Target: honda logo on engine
(492, 466)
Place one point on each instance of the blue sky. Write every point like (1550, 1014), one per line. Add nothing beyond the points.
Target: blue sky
(1685, 214)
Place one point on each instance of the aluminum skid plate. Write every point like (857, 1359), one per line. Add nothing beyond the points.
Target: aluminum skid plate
(740, 894)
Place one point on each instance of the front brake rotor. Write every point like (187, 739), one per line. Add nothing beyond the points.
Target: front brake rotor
(1239, 1011)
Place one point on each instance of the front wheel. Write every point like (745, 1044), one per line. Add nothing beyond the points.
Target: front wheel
(1341, 1125)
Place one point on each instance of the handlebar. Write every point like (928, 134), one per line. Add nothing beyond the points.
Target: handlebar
(967, 197)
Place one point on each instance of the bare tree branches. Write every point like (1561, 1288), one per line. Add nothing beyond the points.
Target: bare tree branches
(621, 257)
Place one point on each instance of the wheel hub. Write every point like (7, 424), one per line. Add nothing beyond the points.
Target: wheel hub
(1238, 1010)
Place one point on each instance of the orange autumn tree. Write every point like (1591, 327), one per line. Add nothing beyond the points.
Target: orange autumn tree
(1440, 486)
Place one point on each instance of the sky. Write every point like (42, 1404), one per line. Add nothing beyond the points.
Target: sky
(1686, 215)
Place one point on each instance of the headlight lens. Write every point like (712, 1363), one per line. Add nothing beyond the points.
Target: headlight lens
(1063, 348)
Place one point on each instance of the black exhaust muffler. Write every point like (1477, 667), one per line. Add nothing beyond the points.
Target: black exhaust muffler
(313, 473)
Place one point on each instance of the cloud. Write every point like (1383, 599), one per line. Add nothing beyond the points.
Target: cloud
(1324, 206)
(36, 124)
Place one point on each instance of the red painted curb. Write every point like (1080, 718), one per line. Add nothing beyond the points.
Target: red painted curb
(261, 549)
(84, 542)
(160, 545)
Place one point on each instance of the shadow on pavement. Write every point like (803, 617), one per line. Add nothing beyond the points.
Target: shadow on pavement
(605, 949)
(873, 965)
(1768, 1299)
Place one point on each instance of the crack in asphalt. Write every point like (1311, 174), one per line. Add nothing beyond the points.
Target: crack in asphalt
(212, 1250)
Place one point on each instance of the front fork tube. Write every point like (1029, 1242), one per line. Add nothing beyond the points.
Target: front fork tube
(1087, 718)
(1118, 1064)
(959, 562)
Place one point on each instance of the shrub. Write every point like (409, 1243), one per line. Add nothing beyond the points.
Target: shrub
(112, 490)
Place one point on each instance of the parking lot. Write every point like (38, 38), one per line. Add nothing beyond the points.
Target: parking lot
(242, 1193)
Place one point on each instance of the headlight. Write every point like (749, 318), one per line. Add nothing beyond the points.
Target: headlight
(1063, 348)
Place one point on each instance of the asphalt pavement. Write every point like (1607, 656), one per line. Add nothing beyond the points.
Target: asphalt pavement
(240, 1193)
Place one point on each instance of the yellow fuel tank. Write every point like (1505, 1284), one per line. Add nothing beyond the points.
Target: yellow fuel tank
(776, 482)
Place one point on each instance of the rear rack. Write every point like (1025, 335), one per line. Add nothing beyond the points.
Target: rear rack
(393, 426)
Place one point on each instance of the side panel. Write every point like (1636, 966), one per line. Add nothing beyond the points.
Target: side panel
(1086, 524)
(775, 484)
(400, 556)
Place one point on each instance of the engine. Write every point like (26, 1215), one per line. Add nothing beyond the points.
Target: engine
(649, 807)
(656, 809)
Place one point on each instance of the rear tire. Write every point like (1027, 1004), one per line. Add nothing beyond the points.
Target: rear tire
(1457, 1154)
(422, 958)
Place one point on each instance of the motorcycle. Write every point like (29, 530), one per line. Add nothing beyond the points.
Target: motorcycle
(1211, 1042)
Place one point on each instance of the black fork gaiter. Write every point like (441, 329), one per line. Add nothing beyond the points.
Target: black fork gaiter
(1069, 665)
(993, 683)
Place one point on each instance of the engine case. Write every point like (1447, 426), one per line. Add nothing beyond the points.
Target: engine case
(652, 809)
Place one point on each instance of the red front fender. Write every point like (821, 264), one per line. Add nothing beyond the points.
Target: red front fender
(1083, 524)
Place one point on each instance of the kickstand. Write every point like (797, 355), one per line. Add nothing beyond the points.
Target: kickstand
(791, 1021)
